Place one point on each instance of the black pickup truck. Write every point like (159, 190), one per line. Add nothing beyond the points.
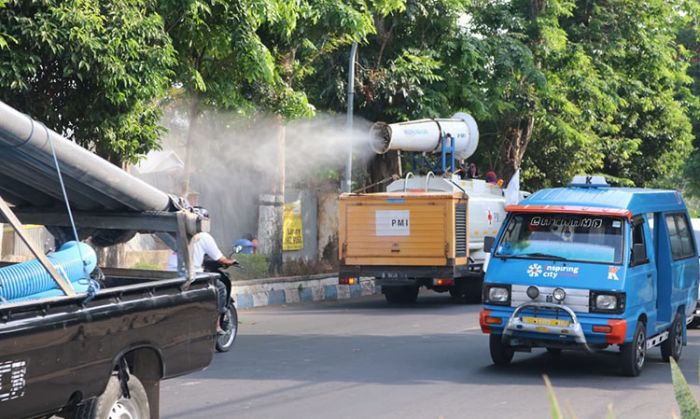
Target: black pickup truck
(101, 353)
(70, 357)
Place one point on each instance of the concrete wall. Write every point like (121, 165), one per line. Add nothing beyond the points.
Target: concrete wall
(309, 217)
(328, 226)
(262, 292)
(13, 248)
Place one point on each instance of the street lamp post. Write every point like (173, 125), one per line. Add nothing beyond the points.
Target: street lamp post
(351, 94)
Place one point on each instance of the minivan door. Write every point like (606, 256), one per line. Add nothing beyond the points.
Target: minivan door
(642, 269)
(684, 270)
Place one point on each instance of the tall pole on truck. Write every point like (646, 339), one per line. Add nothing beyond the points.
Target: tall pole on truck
(351, 96)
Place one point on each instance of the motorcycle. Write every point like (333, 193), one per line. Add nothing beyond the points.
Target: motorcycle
(228, 321)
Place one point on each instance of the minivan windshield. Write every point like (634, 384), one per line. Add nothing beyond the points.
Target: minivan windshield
(572, 237)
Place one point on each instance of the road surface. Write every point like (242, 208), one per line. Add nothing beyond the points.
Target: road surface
(364, 358)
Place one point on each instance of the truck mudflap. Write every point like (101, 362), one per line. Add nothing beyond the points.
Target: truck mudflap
(561, 327)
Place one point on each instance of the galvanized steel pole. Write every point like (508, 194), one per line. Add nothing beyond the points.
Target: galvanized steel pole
(351, 93)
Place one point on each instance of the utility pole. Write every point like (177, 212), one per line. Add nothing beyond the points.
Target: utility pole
(351, 97)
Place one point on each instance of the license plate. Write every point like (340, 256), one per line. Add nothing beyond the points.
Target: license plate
(546, 322)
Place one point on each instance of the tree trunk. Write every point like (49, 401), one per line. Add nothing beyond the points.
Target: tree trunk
(381, 167)
(191, 130)
(516, 137)
(271, 213)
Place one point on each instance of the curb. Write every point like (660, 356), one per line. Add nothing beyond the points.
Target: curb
(294, 290)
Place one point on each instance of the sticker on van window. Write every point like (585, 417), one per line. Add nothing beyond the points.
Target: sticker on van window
(616, 224)
(566, 222)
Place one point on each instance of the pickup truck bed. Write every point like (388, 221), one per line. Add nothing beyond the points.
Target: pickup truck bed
(63, 351)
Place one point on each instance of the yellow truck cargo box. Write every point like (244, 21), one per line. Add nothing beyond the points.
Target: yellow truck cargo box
(403, 229)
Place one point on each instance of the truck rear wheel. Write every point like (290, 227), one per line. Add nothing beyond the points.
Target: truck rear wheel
(401, 295)
(634, 353)
(501, 353)
(113, 404)
(673, 346)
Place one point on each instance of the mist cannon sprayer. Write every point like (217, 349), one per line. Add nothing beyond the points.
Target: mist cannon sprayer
(456, 137)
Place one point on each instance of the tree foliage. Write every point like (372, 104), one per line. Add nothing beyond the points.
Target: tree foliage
(89, 69)
(558, 87)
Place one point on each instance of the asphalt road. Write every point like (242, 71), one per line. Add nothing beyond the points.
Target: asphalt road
(364, 358)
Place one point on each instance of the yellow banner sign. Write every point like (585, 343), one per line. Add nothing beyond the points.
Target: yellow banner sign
(293, 232)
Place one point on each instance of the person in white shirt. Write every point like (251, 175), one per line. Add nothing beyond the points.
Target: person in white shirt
(203, 244)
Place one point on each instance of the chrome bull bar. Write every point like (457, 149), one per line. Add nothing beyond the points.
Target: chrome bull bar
(516, 323)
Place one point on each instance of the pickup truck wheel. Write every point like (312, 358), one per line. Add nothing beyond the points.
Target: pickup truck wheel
(113, 405)
(501, 353)
(673, 346)
(634, 353)
(401, 295)
(229, 325)
(695, 323)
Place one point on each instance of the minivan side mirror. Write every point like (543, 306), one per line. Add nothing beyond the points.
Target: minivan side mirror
(488, 243)
(639, 254)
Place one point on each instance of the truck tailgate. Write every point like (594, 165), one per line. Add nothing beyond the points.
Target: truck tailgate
(406, 231)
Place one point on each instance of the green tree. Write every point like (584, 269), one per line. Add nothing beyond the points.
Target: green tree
(646, 134)
(92, 70)
(251, 56)
(401, 70)
(689, 37)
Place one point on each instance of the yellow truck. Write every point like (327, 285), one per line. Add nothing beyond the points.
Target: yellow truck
(424, 231)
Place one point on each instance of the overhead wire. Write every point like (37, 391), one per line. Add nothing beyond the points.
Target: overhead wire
(94, 286)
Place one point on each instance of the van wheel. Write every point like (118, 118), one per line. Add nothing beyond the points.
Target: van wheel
(634, 353)
(673, 346)
(401, 295)
(501, 353)
(113, 404)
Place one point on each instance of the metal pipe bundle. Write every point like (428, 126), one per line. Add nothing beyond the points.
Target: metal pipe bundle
(28, 174)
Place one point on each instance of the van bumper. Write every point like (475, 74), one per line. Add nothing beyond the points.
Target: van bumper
(395, 274)
(577, 331)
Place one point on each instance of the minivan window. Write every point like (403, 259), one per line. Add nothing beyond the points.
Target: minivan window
(679, 236)
(638, 236)
(573, 237)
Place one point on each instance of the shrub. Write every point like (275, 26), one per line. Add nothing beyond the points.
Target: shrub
(252, 267)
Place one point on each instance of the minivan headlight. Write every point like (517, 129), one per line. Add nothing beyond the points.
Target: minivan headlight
(497, 295)
(607, 302)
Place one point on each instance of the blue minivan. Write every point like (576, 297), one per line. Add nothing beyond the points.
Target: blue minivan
(590, 266)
